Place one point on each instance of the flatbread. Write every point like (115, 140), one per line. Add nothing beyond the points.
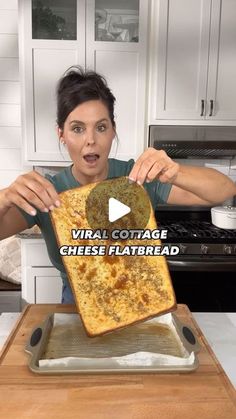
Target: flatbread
(111, 292)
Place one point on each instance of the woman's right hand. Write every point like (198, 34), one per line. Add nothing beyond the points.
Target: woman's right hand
(31, 190)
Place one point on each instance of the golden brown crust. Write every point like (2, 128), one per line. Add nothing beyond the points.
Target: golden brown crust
(111, 292)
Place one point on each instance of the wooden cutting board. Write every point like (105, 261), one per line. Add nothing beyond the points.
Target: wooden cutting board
(206, 393)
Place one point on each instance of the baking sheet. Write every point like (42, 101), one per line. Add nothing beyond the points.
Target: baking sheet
(154, 345)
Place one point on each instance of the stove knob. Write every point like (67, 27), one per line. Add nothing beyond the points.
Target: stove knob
(204, 249)
(182, 248)
(227, 249)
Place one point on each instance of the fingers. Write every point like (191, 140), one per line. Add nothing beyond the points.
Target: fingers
(154, 164)
(44, 190)
(32, 191)
(156, 171)
(143, 164)
(148, 167)
(20, 201)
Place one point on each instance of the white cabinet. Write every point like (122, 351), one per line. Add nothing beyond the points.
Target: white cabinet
(193, 64)
(41, 282)
(118, 51)
(44, 285)
(221, 87)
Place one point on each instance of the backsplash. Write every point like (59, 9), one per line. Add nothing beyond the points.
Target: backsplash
(225, 166)
(232, 169)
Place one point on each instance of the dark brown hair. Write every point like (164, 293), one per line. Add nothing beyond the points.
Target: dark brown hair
(78, 86)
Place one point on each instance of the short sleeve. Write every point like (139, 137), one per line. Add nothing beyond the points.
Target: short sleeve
(31, 220)
(158, 192)
(162, 192)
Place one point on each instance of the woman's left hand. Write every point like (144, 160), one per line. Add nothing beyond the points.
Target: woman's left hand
(154, 164)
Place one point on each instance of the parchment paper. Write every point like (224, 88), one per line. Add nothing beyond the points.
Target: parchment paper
(69, 347)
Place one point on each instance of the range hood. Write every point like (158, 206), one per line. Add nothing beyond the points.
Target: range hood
(182, 142)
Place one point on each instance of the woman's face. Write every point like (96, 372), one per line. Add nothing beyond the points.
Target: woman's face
(88, 135)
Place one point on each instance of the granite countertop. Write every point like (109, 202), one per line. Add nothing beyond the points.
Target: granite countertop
(218, 328)
(29, 235)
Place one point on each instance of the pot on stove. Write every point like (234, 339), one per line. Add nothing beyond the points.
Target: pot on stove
(224, 217)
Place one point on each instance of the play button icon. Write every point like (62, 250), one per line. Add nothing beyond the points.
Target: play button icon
(117, 204)
(117, 210)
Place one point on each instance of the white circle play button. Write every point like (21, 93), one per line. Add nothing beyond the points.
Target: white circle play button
(117, 210)
(117, 204)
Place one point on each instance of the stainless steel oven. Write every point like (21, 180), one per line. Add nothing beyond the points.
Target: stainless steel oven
(204, 271)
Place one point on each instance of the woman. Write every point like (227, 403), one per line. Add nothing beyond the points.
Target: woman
(86, 126)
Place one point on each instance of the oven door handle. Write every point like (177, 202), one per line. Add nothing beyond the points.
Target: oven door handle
(215, 265)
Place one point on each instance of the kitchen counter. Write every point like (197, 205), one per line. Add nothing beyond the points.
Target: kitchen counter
(205, 392)
(220, 332)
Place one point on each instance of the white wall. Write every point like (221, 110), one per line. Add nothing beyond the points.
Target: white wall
(10, 131)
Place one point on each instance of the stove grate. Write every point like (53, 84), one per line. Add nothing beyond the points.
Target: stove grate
(196, 230)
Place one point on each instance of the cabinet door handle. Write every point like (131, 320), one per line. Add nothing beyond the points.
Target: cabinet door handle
(202, 107)
(211, 107)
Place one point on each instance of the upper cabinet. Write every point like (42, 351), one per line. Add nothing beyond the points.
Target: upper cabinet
(108, 36)
(193, 61)
(221, 88)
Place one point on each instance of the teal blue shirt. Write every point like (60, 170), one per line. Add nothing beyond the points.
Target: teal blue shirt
(158, 193)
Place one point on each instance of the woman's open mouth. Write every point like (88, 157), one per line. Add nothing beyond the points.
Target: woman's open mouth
(91, 158)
